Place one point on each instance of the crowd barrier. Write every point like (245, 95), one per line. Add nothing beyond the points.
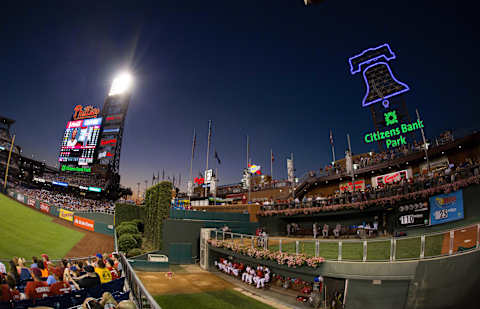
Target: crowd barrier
(450, 242)
(67, 215)
(206, 215)
(138, 292)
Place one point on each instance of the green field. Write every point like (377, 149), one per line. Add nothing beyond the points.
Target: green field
(25, 232)
(226, 299)
(408, 248)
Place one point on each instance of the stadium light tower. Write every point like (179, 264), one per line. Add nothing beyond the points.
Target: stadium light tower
(121, 84)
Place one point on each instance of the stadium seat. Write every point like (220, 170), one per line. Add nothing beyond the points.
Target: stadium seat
(119, 296)
(55, 302)
(5, 305)
(76, 297)
(114, 285)
(95, 292)
(24, 304)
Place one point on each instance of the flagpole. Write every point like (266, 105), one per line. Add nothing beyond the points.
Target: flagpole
(208, 152)
(191, 162)
(333, 146)
(424, 143)
(248, 172)
(271, 164)
(8, 163)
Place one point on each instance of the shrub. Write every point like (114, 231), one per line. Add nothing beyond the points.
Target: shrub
(126, 242)
(126, 229)
(127, 212)
(139, 224)
(138, 239)
(134, 252)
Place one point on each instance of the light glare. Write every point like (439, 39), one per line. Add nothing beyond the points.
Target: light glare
(121, 84)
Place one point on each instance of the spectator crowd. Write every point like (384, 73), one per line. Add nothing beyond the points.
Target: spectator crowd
(68, 201)
(44, 279)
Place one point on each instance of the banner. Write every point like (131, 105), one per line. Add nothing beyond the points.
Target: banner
(391, 177)
(84, 223)
(44, 207)
(348, 186)
(20, 198)
(31, 202)
(66, 215)
(446, 207)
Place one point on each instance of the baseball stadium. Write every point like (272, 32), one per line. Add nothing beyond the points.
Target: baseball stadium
(370, 202)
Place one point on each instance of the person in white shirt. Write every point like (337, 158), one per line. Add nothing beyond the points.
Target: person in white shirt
(3, 270)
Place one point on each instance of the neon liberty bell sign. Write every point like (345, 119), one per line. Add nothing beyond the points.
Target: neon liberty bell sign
(377, 75)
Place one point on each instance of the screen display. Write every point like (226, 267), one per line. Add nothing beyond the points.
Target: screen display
(79, 141)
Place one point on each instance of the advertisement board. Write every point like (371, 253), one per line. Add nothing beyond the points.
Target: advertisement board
(348, 186)
(44, 207)
(66, 215)
(413, 214)
(20, 198)
(391, 177)
(84, 223)
(79, 141)
(446, 207)
(31, 202)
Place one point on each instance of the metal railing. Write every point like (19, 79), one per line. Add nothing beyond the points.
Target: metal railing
(138, 292)
(446, 243)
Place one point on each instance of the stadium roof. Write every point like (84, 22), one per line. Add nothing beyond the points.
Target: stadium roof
(6, 121)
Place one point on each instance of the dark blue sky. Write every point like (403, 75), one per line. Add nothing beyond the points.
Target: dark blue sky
(275, 70)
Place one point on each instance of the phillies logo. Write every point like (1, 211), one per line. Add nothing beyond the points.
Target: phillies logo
(84, 113)
(199, 180)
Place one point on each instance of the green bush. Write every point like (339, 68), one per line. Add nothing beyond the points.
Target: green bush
(128, 212)
(126, 229)
(138, 239)
(139, 224)
(126, 242)
(134, 252)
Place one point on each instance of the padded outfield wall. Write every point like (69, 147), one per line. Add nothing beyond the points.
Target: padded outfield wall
(447, 282)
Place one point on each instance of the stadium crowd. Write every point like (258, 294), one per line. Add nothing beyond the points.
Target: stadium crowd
(44, 279)
(456, 177)
(77, 180)
(68, 201)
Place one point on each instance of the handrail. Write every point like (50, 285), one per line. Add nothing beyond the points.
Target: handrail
(138, 291)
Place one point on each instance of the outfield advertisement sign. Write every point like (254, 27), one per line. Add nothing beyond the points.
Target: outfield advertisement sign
(31, 202)
(84, 223)
(446, 207)
(44, 207)
(20, 198)
(66, 215)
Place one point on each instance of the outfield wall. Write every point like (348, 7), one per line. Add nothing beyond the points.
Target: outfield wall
(87, 221)
(447, 282)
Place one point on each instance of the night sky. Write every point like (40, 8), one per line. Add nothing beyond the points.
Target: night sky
(275, 70)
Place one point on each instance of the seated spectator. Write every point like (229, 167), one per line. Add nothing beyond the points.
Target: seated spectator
(3, 270)
(89, 280)
(107, 301)
(37, 288)
(4, 291)
(43, 269)
(91, 303)
(112, 269)
(13, 272)
(126, 304)
(14, 293)
(60, 287)
(103, 272)
(23, 271)
(337, 230)
(325, 230)
(34, 262)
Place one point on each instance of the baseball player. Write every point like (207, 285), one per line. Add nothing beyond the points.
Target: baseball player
(246, 274)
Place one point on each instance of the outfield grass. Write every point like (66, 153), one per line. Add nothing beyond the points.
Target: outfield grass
(408, 248)
(25, 232)
(226, 299)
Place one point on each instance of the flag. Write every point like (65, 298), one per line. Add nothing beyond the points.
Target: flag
(163, 174)
(272, 158)
(331, 138)
(194, 143)
(216, 157)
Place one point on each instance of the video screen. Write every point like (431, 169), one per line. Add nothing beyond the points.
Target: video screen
(79, 141)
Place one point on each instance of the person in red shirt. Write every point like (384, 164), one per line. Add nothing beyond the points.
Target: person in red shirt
(37, 288)
(60, 287)
(113, 271)
(4, 293)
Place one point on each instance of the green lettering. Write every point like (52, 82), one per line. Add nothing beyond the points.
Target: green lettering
(388, 143)
(387, 134)
(367, 140)
(404, 128)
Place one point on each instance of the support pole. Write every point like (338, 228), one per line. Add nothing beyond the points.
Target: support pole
(8, 162)
(339, 250)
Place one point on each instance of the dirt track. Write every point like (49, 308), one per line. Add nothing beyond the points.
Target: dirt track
(463, 238)
(90, 244)
(193, 280)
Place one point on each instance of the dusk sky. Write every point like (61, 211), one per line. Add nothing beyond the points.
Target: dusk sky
(275, 70)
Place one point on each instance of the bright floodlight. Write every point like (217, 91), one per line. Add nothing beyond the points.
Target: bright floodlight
(121, 84)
